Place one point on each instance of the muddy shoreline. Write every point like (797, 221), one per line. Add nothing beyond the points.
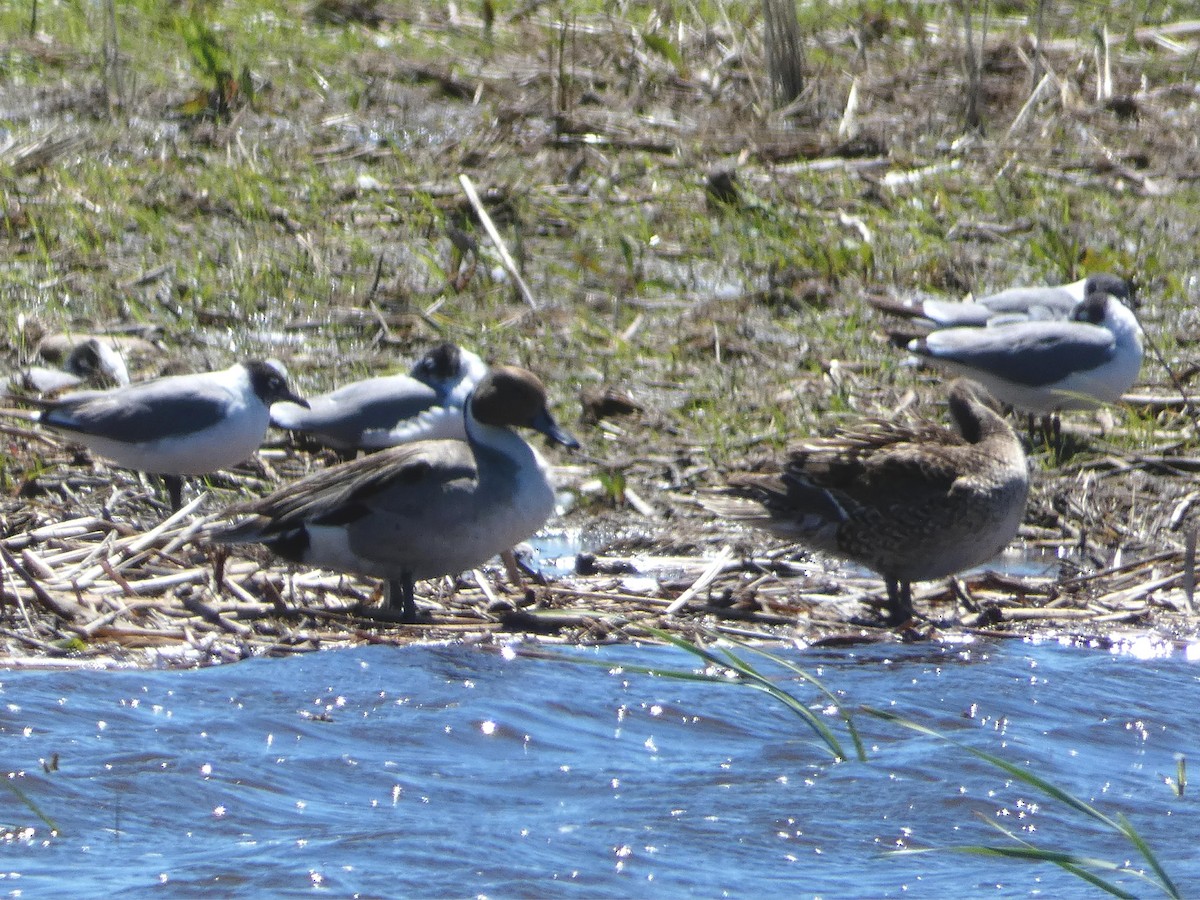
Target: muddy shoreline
(96, 590)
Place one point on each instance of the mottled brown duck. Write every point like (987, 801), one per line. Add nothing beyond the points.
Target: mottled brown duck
(910, 502)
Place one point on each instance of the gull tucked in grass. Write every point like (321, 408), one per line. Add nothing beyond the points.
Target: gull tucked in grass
(92, 361)
(1042, 367)
(1016, 304)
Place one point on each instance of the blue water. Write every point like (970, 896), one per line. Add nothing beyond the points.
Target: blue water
(460, 771)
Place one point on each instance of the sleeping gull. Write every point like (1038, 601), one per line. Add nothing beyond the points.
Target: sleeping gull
(1017, 304)
(1042, 367)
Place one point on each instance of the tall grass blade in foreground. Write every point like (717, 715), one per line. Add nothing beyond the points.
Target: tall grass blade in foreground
(732, 668)
(729, 669)
(1075, 865)
(30, 805)
(751, 677)
(1069, 861)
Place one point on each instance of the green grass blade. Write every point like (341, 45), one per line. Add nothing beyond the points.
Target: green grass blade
(740, 664)
(1120, 825)
(860, 751)
(32, 807)
(1069, 867)
(636, 669)
(753, 678)
(688, 646)
(1018, 772)
(810, 718)
(1138, 841)
(746, 677)
(1093, 878)
(1070, 862)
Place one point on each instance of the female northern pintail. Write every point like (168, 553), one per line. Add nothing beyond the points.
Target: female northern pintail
(909, 502)
(1018, 304)
(1045, 366)
(424, 509)
(375, 413)
(176, 425)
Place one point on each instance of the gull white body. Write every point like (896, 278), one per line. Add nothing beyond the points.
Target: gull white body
(396, 409)
(1042, 367)
(91, 361)
(177, 425)
(1016, 304)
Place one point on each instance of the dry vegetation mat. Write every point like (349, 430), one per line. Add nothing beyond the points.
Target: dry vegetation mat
(90, 590)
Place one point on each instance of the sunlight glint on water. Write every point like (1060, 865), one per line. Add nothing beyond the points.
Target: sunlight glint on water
(448, 771)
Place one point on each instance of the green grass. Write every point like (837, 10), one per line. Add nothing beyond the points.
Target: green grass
(1072, 860)
(26, 801)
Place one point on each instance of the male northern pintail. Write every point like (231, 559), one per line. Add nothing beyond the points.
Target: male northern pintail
(424, 509)
(375, 413)
(176, 425)
(909, 502)
(1018, 304)
(1045, 366)
(93, 361)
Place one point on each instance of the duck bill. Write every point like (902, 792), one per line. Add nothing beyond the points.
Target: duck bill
(546, 425)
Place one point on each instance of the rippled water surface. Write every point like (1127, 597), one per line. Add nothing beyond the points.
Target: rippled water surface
(461, 771)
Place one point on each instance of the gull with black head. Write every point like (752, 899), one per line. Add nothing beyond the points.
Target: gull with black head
(419, 510)
(1041, 367)
(92, 361)
(176, 425)
(910, 502)
(374, 413)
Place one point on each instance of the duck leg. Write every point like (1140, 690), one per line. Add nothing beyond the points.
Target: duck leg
(512, 567)
(400, 591)
(1050, 428)
(900, 603)
(1056, 436)
(174, 486)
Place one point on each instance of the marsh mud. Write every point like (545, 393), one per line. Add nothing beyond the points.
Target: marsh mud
(697, 265)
